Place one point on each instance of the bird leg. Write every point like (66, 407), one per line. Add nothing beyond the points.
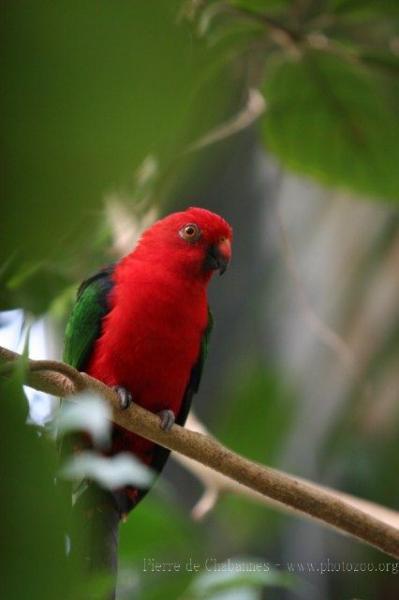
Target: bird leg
(167, 419)
(125, 397)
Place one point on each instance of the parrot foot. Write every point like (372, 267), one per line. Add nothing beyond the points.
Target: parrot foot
(167, 419)
(125, 397)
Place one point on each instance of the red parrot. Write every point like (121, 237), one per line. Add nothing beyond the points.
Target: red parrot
(142, 326)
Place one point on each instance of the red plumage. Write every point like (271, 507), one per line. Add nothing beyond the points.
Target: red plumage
(151, 336)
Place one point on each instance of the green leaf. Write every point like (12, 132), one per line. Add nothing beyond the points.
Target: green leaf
(217, 24)
(332, 120)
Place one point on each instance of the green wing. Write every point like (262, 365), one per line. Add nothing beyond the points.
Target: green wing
(84, 325)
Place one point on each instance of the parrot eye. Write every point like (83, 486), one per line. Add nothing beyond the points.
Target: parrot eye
(190, 232)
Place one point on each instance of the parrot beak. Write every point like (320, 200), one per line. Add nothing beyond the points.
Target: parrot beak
(218, 256)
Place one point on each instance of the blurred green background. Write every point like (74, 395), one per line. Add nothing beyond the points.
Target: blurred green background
(283, 117)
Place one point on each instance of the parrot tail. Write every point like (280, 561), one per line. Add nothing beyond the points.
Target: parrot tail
(94, 541)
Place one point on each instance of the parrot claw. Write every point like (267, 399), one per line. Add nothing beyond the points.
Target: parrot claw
(125, 397)
(167, 419)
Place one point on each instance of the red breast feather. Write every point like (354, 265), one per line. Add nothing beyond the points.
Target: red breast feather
(152, 335)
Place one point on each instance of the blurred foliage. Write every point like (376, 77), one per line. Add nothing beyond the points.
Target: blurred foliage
(170, 546)
(337, 114)
(89, 92)
(105, 98)
(89, 413)
(254, 419)
(227, 582)
(330, 81)
(253, 390)
(34, 510)
(166, 535)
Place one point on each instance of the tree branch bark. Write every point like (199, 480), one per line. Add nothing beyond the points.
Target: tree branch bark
(55, 378)
(216, 484)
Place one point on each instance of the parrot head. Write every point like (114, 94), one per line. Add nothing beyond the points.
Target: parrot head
(196, 242)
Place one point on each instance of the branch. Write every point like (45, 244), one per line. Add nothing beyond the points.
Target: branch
(286, 37)
(254, 108)
(299, 495)
(216, 484)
